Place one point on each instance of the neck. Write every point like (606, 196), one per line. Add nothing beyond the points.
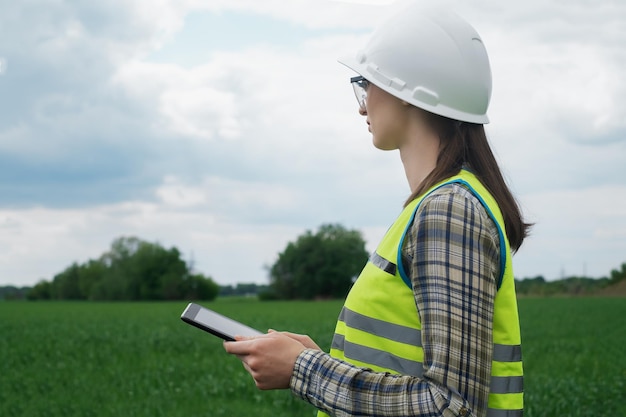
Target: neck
(419, 158)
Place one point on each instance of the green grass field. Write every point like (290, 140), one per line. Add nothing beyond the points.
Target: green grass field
(124, 359)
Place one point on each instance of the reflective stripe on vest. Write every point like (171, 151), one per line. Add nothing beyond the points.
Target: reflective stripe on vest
(379, 327)
(389, 361)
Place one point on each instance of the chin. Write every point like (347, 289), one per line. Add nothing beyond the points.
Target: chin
(383, 146)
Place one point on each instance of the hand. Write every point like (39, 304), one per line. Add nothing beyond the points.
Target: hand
(269, 358)
(302, 338)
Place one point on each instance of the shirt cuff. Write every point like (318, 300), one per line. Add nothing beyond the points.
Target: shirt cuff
(301, 383)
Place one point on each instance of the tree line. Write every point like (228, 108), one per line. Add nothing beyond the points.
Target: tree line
(575, 285)
(131, 270)
(321, 264)
(317, 265)
(242, 289)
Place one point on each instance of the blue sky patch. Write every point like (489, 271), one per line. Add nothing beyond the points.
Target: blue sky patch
(206, 32)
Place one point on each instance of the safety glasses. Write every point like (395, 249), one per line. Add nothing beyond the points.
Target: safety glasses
(360, 85)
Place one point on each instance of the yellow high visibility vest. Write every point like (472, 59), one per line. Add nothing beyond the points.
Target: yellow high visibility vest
(379, 326)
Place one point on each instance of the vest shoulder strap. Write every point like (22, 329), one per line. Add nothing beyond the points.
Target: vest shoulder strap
(503, 250)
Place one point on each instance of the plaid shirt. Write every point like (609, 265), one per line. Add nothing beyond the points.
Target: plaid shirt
(452, 255)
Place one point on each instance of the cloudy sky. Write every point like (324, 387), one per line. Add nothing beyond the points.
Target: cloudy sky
(227, 129)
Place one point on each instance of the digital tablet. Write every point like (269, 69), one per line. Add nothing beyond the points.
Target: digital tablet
(215, 323)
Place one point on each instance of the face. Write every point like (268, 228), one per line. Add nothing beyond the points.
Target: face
(387, 118)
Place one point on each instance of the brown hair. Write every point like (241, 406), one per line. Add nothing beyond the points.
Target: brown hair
(465, 145)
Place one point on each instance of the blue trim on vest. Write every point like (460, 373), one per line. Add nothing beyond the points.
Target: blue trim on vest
(400, 264)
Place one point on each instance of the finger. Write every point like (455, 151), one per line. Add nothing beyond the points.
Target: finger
(296, 336)
(239, 338)
(304, 339)
(238, 348)
(270, 331)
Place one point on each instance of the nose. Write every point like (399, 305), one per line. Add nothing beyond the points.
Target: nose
(362, 111)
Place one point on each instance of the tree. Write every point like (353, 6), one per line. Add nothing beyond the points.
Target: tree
(66, 285)
(41, 291)
(618, 274)
(320, 265)
(199, 287)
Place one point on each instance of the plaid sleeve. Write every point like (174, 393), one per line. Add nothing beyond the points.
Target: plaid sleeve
(454, 246)
(342, 390)
(451, 259)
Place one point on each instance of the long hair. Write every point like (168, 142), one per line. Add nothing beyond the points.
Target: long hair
(465, 145)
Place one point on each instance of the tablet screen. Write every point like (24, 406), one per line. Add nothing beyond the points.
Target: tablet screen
(216, 323)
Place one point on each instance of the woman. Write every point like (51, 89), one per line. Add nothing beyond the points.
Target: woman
(430, 327)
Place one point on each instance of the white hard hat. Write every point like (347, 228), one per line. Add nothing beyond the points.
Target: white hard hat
(432, 59)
